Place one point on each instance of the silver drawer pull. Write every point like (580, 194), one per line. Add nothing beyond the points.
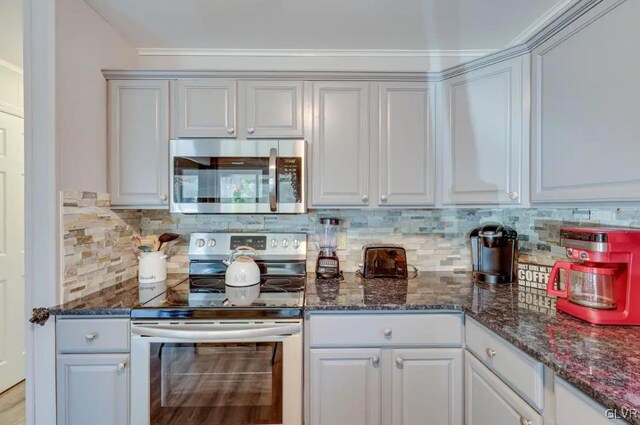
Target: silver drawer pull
(121, 366)
(399, 361)
(491, 353)
(388, 332)
(524, 421)
(91, 336)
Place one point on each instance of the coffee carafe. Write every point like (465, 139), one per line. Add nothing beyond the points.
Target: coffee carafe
(601, 285)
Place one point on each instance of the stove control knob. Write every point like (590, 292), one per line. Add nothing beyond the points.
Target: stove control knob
(200, 243)
(211, 243)
(285, 243)
(274, 243)
(296, 243)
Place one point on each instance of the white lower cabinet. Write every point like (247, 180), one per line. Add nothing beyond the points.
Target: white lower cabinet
(574, 407)
(93, 389)
(489, 401)
(345, 386)
(427, 386)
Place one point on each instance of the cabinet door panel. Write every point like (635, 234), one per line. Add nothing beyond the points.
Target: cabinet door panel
(407, 151)
(139, 142)
(489, 401)
(345, 387)
(273, 109)
(93, 389)
(427, 383)
(482, 140)
(585, 109)
(340, 143)
(206, 108)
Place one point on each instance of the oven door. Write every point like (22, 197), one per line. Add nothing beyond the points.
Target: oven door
(237, 176)
(216, 373)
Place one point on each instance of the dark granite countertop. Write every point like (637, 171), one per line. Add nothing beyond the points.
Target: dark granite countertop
(116, 300)
(601, 361)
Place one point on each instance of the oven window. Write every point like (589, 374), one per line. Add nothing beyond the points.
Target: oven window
(211, 384)
(221, 180)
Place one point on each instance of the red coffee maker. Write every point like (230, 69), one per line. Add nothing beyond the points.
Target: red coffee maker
(603, 285)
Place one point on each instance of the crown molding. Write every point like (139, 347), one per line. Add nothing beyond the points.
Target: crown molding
(549, 16)
(384, 53)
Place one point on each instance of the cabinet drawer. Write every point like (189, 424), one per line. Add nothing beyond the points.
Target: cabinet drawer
(521, 372)
(353, 330)
(92, 335)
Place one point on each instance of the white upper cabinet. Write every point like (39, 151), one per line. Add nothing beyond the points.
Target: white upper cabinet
(483, 141)
(340, 143)
(271, 109)
(406, 155)
(585, 109)
(205, 108)
(138, 142)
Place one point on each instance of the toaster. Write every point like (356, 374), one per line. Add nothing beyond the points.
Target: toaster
(384, 260)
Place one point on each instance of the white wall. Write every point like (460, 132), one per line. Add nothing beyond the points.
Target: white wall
(11, 32)
(85, 44)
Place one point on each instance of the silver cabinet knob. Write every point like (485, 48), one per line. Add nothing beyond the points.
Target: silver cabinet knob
(231, 130)
(121, 366)
(384, 198)
(524, 421)
(163, 197)
(514, 195)
(388, 332)
(399, 361)
(90, 337)
(365, 198)
(251, 130)
(490, 352)
(375, 361)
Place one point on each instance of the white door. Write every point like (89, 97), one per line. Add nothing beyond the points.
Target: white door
(205, 108)
(489, 401)
(340, 143)
(482, 140)
(272, 109)
(345, 387)
(139, 142)
(93, 389)
(407, 145)
(12, 318)
(427, 383)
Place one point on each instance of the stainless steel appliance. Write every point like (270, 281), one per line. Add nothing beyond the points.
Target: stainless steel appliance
(493, 249)
(202, 360)
(237, 176)
(384, 260)
(326, 234)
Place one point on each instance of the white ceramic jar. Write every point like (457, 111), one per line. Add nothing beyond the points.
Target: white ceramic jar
(152, 267)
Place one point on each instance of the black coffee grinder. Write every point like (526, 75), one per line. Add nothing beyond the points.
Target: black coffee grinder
(328, 265)
(494, 249)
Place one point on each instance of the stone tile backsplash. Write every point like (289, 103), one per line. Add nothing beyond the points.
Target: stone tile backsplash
(96, 244)
(98, 250)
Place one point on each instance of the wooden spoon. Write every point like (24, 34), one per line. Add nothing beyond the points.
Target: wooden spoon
(167, 237)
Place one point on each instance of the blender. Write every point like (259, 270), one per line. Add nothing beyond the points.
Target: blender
(328, 265)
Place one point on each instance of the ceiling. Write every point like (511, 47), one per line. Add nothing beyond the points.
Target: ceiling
(11, 31)
(323, 24)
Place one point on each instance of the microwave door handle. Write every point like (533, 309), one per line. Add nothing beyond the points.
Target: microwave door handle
(220, 335)
(273, 204)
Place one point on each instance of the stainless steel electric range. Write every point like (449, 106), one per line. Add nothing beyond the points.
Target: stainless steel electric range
(201, 360)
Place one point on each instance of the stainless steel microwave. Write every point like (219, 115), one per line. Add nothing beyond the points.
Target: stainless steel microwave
(237, 176)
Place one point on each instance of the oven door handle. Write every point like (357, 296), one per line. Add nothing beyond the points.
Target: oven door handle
(220, 335)
(273, 204)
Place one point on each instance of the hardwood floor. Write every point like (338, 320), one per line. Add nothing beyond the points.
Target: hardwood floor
(12, 410)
